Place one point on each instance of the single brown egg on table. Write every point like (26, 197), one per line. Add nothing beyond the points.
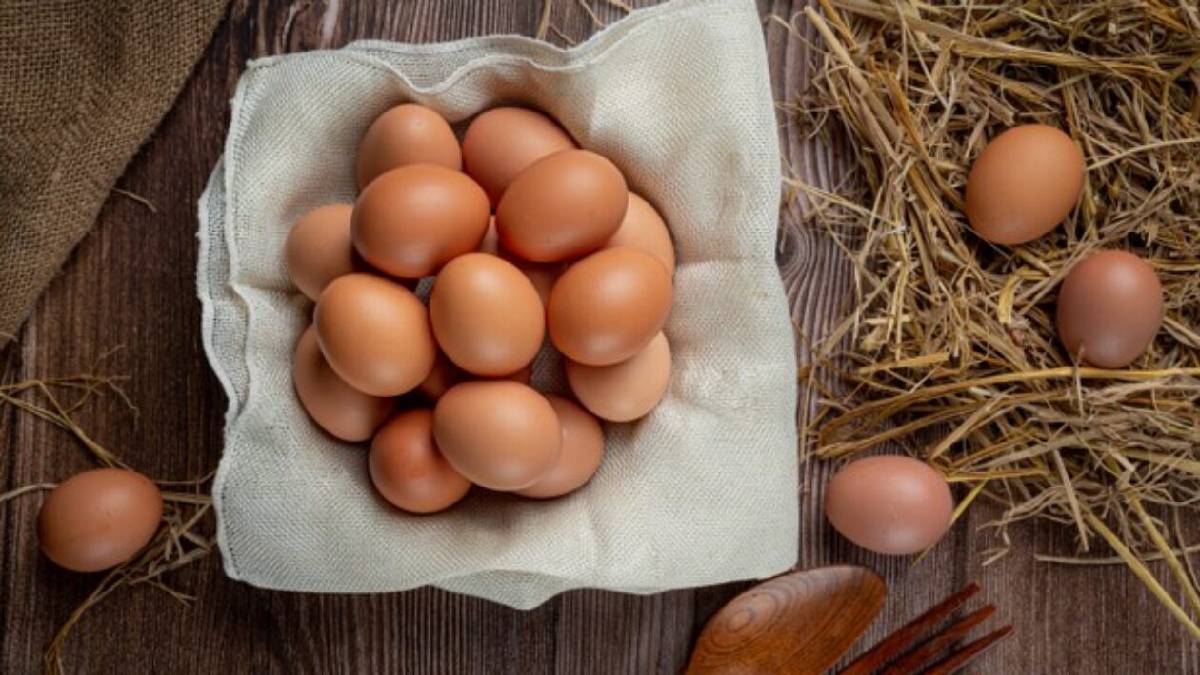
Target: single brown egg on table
(445, 375)
(1023, 184)
(486, 315)
(888, 504)
(375, 334)
(318, 248)
(500, 435)
(644, 229)
(541, 275)
(562, 207)
(581, 454)
(502, 142)
(335, 406)
(406, 134)
(99, 519)
(1110, 307)
(607, 307)
(409, 471)
(410, 221)
(624, 391)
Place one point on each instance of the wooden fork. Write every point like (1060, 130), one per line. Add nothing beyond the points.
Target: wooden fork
(890, 657)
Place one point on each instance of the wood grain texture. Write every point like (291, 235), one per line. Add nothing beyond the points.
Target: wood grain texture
(131, 284)
(802, 623)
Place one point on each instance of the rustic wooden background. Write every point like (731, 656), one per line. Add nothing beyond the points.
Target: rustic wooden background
(131, 284)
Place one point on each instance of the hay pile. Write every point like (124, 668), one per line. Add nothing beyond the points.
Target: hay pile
(948, 344)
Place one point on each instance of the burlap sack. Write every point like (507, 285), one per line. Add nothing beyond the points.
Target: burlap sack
(82, 85)
(701, 491)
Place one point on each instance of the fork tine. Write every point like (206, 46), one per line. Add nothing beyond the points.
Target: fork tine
(898, 641)
(960, 658)
(935, 644)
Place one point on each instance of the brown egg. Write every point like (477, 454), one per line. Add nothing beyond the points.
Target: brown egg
(503, 142)
(374, 334)
(412, 220)
(562, 207)
(335, 406)
(523, 375)
(541, 275)
(1110, 307)
(99, 519)
(406, 134)
(486, 315)
(890, 505)
(409, 471)
(500, 435)
(1023, 184)
(646, 231)
(581, 454)
(318, 248)
(605, 308)
(445, 375)
(627, 390)
(491, 241)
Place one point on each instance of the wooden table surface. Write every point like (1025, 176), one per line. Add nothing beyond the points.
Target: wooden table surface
(131, 285)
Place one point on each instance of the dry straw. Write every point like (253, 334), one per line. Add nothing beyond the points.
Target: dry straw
(948, 344)
(181, 539)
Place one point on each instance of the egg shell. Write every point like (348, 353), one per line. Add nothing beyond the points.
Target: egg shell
(486, 315)
(1110, 307)
(890, 505)
(318, 248)
(98, 519)
(500, 435)
(406, 134)
(445, 375)
(562, 207)
(502, 142)
(607, 307)
(1023, 184)
(442, 376)
(410, 221)
(581, 454)
(409, 471)
(491, 241)
(644, 229)
(541, 275)
(624, 391)
(375, 334)
(335, 406)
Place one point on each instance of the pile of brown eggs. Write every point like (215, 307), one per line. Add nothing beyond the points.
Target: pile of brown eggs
(526, 237)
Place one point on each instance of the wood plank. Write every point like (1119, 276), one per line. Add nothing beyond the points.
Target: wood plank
(131, 284)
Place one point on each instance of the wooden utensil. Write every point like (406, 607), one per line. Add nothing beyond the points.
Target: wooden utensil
(800, 623)
(896, 644)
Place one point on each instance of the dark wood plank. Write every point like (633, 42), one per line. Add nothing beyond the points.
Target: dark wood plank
(131, 284)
